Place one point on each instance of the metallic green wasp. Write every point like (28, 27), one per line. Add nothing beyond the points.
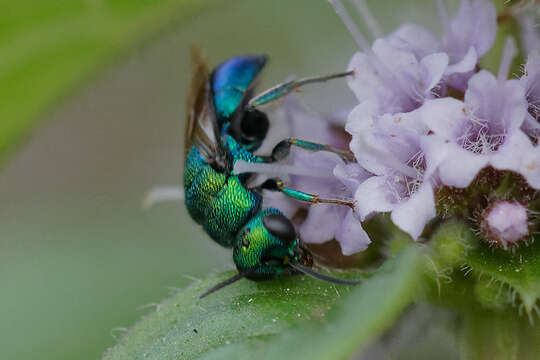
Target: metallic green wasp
(224, 126)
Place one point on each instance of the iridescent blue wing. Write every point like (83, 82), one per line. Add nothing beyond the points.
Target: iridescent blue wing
(200, 128)
(230, 82)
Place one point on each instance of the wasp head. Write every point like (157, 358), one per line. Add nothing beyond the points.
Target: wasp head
(267, 245)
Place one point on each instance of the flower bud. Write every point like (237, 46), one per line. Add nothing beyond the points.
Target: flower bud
(505, 223)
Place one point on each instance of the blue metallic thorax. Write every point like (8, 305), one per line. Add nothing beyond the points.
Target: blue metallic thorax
(235, 150)
(229, 82)
(217, 200)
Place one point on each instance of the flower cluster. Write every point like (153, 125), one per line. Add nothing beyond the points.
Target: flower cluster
(329, 177)
(428, 116)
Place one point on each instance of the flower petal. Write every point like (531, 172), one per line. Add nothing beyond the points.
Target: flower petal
(456, 166)
(445, 117)
(361, 126)
(351, 236)
(351, 175)
(502, 104)
(520, 155)
(321, 223)
(457, 75)
(433, 66)
(531, 126)
(278, 200)
(416, 39)
(413, 214)
(365, 83)
(374, 195)
(381, 144)
(475, 25)
(530, 38)
(466, 64)
(409, 126)
(531, 83)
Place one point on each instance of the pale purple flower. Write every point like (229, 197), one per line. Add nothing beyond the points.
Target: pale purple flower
(393, 79)
(408, 137)
(297, 122)
(531, 83)
(325, 222)
(411, 65)
(505, 223)
(389, 146)
(482, 130)
(470, 135)
(530, 34)
(396, 79)
(467, 38)
(321, 173)
(520, 155)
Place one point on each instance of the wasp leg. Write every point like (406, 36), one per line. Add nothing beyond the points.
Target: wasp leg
(277, 185)
(283, 148)
(285, 88)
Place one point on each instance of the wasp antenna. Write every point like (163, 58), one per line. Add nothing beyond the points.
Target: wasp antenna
(222, 284)
(316, 275)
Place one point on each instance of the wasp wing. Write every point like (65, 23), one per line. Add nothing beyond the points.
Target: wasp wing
(200, 128)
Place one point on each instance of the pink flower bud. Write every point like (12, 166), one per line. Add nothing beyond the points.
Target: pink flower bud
(505, 223)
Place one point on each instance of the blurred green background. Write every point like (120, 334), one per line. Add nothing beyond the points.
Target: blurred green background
(106, 80)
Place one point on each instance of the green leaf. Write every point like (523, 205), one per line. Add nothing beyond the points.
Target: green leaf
(187, 327)
(497, 335)
(489, 335)
(518, 270)
(48, 47)
(500, 274)
(360, 318)
(248, 319)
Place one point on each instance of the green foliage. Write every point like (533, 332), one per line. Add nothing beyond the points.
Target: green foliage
(517, 270)
(498, 335)
(489, 336)
(451, 242)
(502, 276)
(48, 47)
(189, 327)
(248, 319)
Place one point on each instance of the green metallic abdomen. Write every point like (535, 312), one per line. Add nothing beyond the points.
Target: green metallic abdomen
(220, 203)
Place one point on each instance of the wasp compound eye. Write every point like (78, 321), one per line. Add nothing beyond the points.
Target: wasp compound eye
(254, 125)
(279, 226)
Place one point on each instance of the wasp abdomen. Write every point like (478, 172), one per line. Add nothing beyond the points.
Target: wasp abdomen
(220, 203)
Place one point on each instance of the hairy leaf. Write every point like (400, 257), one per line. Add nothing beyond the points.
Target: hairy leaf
(502, 276)
(247, 319)
(518, 270)
(187, 327)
